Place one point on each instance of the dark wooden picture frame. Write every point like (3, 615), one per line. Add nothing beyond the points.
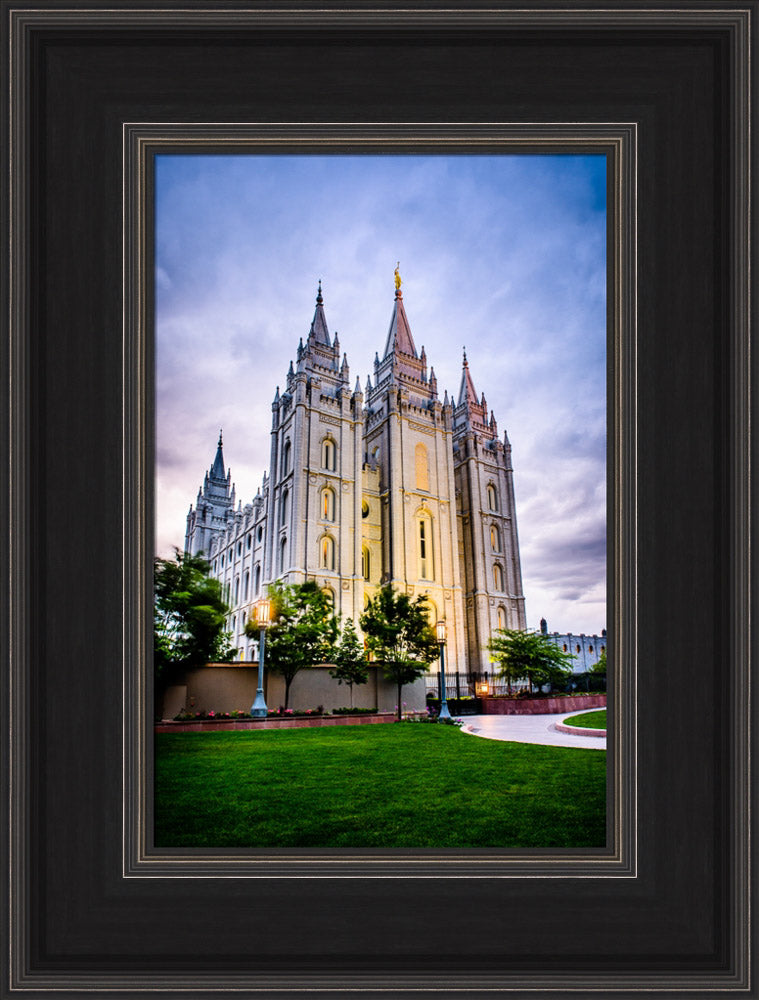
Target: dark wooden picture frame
(92, 907)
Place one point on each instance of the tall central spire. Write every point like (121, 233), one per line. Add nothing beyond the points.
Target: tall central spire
(319, 332)
(399, 339)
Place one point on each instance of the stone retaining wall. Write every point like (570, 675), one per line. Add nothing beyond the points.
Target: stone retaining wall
(542, 706)
(223, 725)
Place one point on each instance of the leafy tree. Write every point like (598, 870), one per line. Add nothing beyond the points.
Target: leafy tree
(189, 616)
(599, 668)
(351, 666)
(303, 630)
(400, 637)
(529, 655)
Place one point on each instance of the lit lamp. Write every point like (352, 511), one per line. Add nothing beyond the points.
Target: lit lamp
(440, 629)
(258, 709)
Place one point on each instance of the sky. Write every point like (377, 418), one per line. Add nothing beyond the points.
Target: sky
(503, 255)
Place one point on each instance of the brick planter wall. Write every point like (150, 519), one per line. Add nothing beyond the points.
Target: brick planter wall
(223, 725)
(542, 706)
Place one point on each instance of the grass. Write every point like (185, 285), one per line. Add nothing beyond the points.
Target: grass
(588, 720)
(395, 785)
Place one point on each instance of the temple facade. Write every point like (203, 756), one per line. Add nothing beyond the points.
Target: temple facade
(385, 484)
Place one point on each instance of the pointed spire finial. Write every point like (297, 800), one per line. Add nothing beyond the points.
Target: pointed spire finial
(319, 299)
(466, 363)
(219, 444)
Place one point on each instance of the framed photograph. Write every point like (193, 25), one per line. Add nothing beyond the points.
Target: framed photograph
(100, 101)
(360, 488)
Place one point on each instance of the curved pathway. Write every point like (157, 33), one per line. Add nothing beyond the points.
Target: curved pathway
(530, 729)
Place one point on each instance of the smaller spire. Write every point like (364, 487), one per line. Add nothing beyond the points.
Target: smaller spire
(291, 370)
(368, 384)
(319, 299)
(217, 469)
(466, 363)
(358, 384)
(445, 398)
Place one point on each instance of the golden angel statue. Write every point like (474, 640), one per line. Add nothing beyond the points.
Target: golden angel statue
(397, 276)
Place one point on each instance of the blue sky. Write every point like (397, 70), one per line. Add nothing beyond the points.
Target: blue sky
(504, 255)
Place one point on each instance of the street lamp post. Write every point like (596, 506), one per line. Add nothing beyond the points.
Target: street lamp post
(258, 709)
(440, 629)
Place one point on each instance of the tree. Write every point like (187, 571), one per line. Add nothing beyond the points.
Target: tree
(598, 671)
(303, 630)
(529, 655)
(189, 616)
(350, 659)
(399, 636)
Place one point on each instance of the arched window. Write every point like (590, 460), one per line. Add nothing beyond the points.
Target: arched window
(330, 595)
(237, 589)
(422, 468)
(564, 647)
(424, 547)
(258, 578)
(327, 552)
(497, 577)
(492, 497)
(495, 539)
(286, 452)
(250, 541)
(245, 586)
(283, 507)
(590, 649)
(244, 619)
(239, 548)
(329, 454)
(501, 617)
(577, 649)
(366, 563)
(603, 649)
(282, 555)
(328, 504)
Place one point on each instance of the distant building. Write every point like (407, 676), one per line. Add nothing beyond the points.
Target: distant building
(585, 649)
(386, 484)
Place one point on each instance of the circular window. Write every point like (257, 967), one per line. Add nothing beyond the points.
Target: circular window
(364, 509)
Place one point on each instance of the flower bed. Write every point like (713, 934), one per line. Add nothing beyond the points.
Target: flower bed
(275, 721)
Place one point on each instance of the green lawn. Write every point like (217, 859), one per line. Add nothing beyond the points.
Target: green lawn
(393, 785)
(588, 720)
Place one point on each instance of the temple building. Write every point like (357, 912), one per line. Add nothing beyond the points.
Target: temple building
(387, 483)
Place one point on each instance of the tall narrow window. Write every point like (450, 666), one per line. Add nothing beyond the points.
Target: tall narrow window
(495, 539)
(283, 511)
(497, 577)
(424, 548)
(258, 578)
(501, 617)
(237, 589)
(327, 552)
(328, 454)
(286, 453)
(328, 504)
(282, 555)
(422, 468)
(245, 586)
(365, 563)
(492, 497)
(330, 595)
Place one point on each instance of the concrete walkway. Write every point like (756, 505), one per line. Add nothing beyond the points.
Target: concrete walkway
(529, 729)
